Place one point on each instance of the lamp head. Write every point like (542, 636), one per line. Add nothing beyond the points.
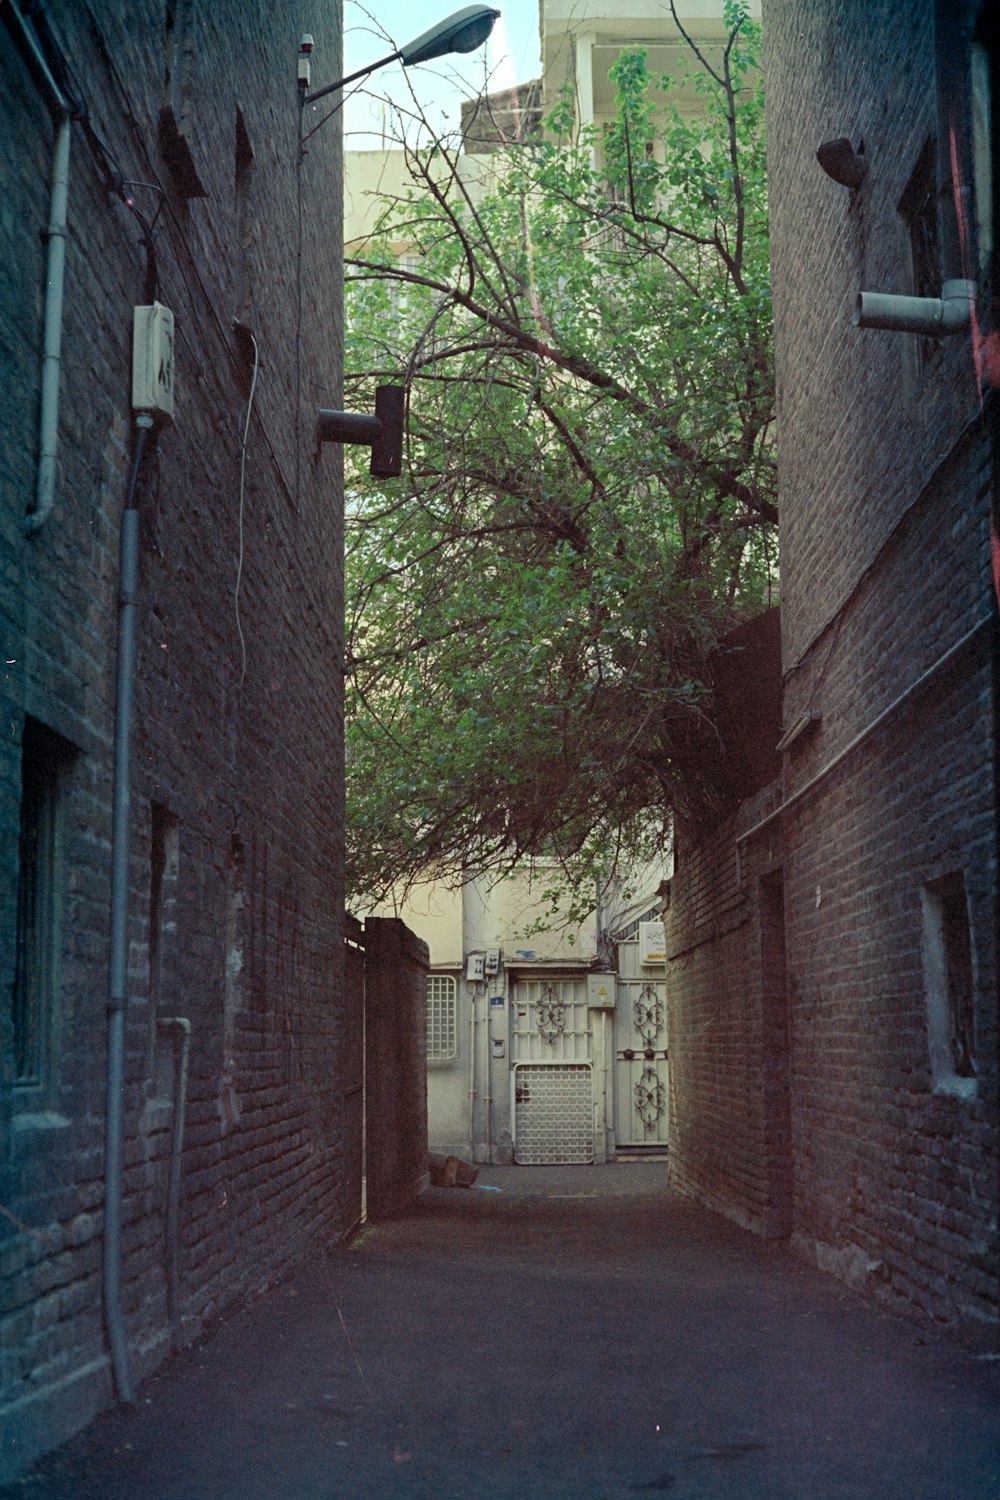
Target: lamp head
(463, 32)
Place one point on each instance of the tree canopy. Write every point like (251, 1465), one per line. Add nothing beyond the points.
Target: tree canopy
(588, 496)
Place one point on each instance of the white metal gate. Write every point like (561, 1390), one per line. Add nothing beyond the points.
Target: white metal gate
(642, 1081)
(552, 1073)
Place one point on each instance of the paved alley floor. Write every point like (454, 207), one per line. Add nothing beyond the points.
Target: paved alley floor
(550, 1334)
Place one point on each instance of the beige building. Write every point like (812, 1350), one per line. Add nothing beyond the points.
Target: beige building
(582, 39)
(546, 1038)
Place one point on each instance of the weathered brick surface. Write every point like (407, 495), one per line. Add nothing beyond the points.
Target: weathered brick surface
(804, 1103)
(396, 965)
(246, 760)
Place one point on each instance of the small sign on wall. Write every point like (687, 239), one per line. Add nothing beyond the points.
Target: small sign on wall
(652, 943)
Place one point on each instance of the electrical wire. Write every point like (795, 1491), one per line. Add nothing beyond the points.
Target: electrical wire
(243, 478)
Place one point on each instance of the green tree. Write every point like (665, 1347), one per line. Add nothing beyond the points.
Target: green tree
(588, 497)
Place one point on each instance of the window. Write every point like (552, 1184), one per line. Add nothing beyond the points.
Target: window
(947, 957)
(401, 292)
(176, 115)
(442, 1021)
(982, 66)
(918, 210)
(45, 758)
(244, 318)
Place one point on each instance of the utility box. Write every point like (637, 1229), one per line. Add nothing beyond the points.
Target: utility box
(153, 361)
(600, 992)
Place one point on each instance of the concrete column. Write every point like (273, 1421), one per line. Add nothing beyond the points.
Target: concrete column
(583, 82)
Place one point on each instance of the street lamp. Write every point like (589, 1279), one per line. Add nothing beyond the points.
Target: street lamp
(463, 32)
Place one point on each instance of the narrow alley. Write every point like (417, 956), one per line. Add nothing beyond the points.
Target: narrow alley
(579, 1333)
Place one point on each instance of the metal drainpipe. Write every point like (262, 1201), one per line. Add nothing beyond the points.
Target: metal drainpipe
(181, 1028)
(48, 415)
(470, 991)
(117, 994)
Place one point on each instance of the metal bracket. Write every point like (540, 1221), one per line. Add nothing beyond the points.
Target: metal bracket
(384, 431)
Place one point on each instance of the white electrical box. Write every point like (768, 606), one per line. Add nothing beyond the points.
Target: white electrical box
(475, 966)
(492, 962)
(153, 360)
(652, 943)
(600, 992)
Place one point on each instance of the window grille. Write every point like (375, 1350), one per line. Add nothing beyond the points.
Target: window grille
(442, 1021)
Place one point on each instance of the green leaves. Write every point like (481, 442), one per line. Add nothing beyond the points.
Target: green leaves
(588, 498)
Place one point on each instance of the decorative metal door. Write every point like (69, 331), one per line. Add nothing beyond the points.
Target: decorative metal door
(642, 1081)
(552, 1073)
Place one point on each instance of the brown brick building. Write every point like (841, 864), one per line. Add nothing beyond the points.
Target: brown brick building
(154, 150)
(833, 943)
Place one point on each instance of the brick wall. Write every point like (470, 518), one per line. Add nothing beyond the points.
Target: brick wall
(236, 827)
(889, 1179)
(728, 1039)
(396, 966)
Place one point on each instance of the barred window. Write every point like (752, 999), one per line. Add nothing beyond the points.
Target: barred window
(45, 759)
(442, 1027)
(948, 985)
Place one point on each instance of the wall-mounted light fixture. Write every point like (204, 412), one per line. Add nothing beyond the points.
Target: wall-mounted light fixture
(840, 161)
(807, 719)
(384, 431)
(463, 32)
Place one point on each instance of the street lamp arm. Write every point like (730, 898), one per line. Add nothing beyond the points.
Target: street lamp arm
(351, 77)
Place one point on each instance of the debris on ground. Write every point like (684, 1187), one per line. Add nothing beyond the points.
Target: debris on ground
(450, 1171)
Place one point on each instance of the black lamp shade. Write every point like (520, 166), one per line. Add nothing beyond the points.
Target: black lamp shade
(463, 32)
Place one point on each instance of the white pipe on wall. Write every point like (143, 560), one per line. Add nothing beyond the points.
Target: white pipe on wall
(55, 264)
(949, 313)
(55, 271)
(471, 992)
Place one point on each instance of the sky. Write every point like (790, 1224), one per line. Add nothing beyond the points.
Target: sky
(384, 103)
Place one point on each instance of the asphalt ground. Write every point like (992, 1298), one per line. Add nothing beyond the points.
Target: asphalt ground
(582, 1333)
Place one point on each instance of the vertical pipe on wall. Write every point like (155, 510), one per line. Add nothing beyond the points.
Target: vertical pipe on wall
(55, 263)
(48, 415)
(117, 989)
(470, 991)
(180, 1026)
